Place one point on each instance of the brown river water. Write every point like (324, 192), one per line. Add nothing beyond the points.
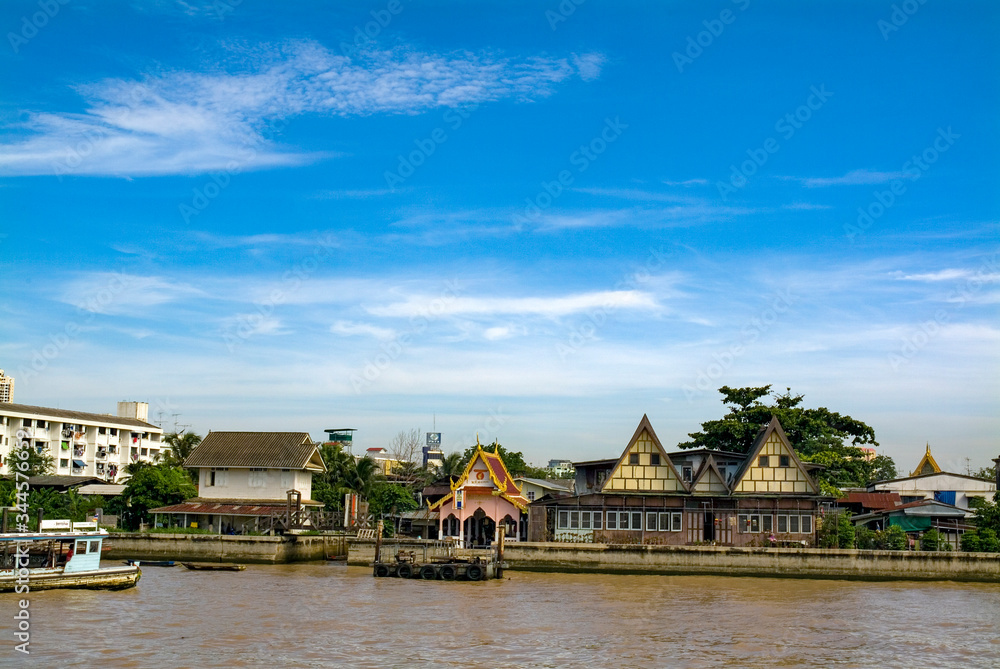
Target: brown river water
(331, 615)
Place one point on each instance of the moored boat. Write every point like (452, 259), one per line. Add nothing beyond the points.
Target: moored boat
(60, 557)
(214, 566)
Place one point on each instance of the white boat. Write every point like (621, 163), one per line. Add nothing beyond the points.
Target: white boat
(61, 555)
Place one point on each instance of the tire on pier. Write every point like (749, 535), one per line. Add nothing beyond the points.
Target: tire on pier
(449, 572)
(405, 571)
(428, 572)
(474, 572)
(381, 570)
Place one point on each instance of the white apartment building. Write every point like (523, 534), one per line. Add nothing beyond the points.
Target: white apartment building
(6, 388)
(82, 444)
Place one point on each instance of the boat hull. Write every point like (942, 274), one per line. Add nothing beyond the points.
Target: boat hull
(110, 578)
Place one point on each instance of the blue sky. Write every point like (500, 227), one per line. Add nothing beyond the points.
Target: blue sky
(514, 219)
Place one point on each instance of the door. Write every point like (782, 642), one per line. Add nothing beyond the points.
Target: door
(709, 532)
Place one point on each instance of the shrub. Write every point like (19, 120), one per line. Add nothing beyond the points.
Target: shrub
(988, 542)
(865, 538)
(892, 538)
(931, 540)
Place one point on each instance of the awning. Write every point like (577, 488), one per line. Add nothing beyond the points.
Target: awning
(79, 463)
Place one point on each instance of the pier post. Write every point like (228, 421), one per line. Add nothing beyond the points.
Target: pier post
(378, 543)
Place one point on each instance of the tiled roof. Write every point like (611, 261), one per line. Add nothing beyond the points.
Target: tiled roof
(75, 416)
(277, 450)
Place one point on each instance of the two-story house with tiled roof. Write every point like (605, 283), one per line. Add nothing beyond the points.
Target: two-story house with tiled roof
(244, 477)
(687, 497)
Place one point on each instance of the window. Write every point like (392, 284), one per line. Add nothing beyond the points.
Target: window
(64, 462)
(670, 521)
(612, 520)
(95, 546)
(564, 520)
(81, 547)
(764, 461)
(654, 459)
(597, 517)
(585, 520)
(633, 458)
(574, 520)
(782, 524)
(756, 522)
(257, 478)
(651, 521)
(793, 524)
(531, 495)
(113, 431)
(41, 423)
(783, 460)
(102, 430)
(686, 473)
(807, 524)
(637, 520)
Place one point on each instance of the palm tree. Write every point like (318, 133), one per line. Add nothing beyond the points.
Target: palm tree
(181, 445)
(451, 466)
(362, 477)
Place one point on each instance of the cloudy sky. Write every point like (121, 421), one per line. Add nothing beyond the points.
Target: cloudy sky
(534, 221)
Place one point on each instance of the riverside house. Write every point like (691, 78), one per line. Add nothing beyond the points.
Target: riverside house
(697, 496)
(248, 481)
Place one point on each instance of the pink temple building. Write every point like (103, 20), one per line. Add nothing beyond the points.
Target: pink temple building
(481, 500)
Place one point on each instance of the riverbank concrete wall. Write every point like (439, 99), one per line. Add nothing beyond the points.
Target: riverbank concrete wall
(728, 561)
(223, 548)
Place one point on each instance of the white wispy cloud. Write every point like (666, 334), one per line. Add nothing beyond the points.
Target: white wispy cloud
(852, 178)
(550, 307)
(195, 122)
(686, 182)
(120, 293)
(951, 274)
(681, 215)
(352, 329)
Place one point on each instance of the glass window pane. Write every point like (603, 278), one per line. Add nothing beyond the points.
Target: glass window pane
(563, 520)
(597, 519)
(574, 520)
(612, 520)
(676, 522)
(755, 523)
(585, 520)
(664, 522)
(744, 523)
(793, 524)
(650, 521)
(767, 523)
(807, 525)
(782, 524)
(636, 520)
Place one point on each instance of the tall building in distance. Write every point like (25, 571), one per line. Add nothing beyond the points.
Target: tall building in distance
(6, 388)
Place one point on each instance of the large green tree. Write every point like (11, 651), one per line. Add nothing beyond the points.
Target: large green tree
(149, 487)
(817, 435)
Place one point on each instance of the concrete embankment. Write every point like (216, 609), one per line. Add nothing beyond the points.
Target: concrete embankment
(223, 548)
(731, 561)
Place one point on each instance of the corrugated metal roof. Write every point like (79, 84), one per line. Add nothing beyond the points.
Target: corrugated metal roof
(873, 500)
(75, 416)
(248, 508)
(278, 450)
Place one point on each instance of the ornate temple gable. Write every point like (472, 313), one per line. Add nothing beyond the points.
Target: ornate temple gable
(486, 472)
(927, 464)
(644, 466)
(772, 467)
(709, 480)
